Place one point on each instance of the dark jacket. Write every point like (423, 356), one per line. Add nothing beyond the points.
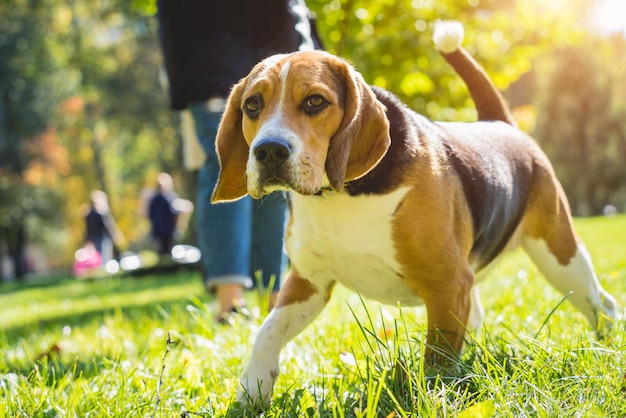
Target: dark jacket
(162, 216)
(210, 45)
(97, 226)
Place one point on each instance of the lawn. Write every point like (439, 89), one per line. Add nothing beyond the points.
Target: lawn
(148, 347)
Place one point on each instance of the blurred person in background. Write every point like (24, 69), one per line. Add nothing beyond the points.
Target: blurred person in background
(164, 207)
(101, 229)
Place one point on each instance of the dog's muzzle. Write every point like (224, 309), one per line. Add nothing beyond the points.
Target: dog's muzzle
(271, 156)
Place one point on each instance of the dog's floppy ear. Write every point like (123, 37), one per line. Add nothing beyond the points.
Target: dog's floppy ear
(363, 138)
(232, 151)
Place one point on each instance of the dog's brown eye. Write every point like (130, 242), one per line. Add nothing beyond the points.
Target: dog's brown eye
(252, 106)
(314, 104)
(315, 101)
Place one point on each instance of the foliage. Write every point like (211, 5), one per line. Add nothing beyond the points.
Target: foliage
(32, 81)
(98, 348)
(581, 123)
(81, 110)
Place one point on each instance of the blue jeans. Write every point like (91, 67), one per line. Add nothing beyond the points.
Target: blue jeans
(240, 239)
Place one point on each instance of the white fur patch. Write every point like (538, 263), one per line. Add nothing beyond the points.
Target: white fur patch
(281, 325)
(448, 36)
(348, 239)
(576, 279)
(284, 73)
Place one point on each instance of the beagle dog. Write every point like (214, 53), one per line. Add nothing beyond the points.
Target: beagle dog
(391, 204)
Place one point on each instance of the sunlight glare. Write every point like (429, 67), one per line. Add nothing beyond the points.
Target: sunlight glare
(610, 16)
(112, 267)
(606, 16)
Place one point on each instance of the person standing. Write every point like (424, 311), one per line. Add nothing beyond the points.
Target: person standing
(101, 228)
(163, 210)
(208, 47)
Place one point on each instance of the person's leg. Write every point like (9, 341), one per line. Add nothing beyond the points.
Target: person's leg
(267, 256)
(165, 245)
(160, 245)
(223, 229)
(106, 250)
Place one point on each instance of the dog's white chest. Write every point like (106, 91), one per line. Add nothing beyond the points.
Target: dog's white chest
(348, 239)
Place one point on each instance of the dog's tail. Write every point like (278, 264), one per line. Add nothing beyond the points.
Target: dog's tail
(489, 102)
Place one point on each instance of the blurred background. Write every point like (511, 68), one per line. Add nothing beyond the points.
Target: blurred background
(83, 104)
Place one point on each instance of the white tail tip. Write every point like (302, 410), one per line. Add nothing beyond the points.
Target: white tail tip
(448, 35)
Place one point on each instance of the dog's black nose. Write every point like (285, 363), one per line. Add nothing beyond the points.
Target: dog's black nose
(272, 151)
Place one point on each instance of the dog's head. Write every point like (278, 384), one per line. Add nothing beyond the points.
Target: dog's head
(300, 122)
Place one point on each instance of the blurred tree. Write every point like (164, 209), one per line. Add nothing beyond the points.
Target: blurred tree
(79, 77)
(32, 81)
(581, 113)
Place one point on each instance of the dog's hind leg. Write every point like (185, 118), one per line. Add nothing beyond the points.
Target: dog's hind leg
(577, 280)
(299, 303)
(558, 253)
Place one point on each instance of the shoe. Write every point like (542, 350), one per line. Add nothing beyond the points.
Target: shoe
(228, 318)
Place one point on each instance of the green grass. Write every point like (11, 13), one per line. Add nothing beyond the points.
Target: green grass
(100, 348)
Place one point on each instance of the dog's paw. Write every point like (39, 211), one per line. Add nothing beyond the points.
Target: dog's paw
(255, 386)
(609, 314)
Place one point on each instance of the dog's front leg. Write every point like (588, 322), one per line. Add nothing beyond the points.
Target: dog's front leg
(449, 308)
(299, 302)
